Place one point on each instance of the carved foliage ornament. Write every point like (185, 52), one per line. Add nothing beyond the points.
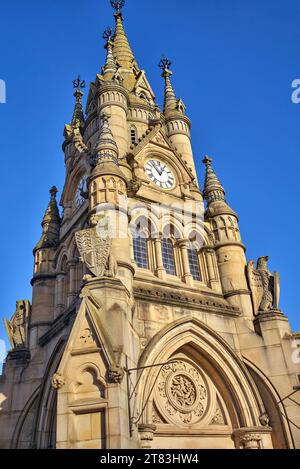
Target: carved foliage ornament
(182, 393)
(58, 381)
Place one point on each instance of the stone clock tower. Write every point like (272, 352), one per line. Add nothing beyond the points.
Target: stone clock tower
(147, 327)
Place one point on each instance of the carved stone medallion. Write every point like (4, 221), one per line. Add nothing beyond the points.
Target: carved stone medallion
(182, 393)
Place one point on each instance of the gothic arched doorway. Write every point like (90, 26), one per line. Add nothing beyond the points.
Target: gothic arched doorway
(203, 396)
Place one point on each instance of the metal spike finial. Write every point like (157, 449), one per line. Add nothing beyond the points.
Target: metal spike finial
(165, 63)
(79, 84)
(107, 35)
(117, 5)
(207, 160)
(53, 191)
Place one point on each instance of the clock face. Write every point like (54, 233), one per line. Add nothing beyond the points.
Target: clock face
(160, 174)
(81, 191)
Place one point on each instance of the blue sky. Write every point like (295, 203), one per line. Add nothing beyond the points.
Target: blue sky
(233, 63)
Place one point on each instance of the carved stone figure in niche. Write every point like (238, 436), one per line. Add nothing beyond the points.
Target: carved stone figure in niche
(94, 245)
(17, 327)
(264, 286)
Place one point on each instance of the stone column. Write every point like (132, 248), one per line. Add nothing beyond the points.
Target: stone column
(72, 286)
(160, 269)
(59, 293)
(210, 254)
(187, 276)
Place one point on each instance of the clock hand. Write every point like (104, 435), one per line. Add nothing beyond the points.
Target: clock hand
(157, 169)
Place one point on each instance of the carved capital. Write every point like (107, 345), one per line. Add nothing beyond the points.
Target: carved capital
(249, 438)
(146, 433)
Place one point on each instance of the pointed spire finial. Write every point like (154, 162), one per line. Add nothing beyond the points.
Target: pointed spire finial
(107, 35)
(51, 223)
(213, 189)
(122, 51)
(171, 103)
(53, 192)
(78, 83)
(110, 63)
(106, 148)
(117, 6)
(78, 114)
(165, 65)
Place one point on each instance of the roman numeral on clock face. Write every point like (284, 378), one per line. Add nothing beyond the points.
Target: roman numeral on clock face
(160, 174)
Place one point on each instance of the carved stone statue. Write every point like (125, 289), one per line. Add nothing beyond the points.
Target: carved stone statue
(17, 327)
(94, 245)
(264, 286)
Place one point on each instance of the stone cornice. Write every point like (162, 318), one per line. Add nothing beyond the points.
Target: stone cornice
(176, 299)
(230, 243)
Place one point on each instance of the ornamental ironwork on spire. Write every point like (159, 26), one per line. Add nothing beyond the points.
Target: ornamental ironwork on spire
(78, 114)
(51, 223)
(117, 5)
(171, 103)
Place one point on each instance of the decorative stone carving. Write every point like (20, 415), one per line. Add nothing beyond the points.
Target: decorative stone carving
(58, 381)
(116, 374)
(218, 418)
(250, 441)
(264, 420)
(182, 393)
(94, 246)
(156, 418)
(86, 337)
(134, 186)
(17, 327)
(78, 139)
(249, 438)
(264, 286)
(146, 433)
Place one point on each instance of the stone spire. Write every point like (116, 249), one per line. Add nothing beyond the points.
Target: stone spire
(110, 67)
(171, 103)
(214, 192)
(51, 224)
(78, 115)
(105, 161)
(106, 148)
(122, 51)
(213, 189)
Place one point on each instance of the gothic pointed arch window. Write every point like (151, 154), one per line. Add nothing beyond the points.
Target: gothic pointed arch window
(194, 262)
(141, 251)
(141, 231)
(195, 244)
(169, 252)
